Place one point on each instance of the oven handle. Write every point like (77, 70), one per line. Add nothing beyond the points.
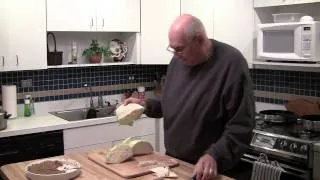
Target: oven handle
(251, 159)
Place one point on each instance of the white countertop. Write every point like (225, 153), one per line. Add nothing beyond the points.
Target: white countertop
(35, 124)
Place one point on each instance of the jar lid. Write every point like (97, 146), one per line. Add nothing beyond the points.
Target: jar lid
(141, 89)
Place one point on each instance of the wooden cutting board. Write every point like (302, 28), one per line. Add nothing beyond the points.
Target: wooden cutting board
(130, 169)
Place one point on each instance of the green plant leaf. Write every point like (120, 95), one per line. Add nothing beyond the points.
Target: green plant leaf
(95, 48)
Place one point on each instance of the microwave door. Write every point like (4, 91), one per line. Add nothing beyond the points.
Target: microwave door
(278, 41)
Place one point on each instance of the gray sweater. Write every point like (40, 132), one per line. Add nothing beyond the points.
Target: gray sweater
(208, 108)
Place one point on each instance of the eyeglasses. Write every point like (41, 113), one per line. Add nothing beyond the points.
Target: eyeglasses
(179, 50)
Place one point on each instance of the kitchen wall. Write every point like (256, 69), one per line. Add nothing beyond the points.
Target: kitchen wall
(271, 86)
(277, 87)
(67, 83)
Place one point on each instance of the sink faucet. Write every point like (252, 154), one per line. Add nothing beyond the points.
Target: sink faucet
(100, 101)
(91, 99)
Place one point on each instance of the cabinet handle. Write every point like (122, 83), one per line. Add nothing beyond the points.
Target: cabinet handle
(91, 22)
(2, 61)
(102, 22)
(17, 57)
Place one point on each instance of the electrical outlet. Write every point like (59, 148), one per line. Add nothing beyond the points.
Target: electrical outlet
(26, 83)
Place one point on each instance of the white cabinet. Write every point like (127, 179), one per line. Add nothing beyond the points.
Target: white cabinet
(118, 15)
(23, 35)
(156, 18)
(234, 25)
(97, 15)
(202, 9)
(160, 137)
(71, 15)
(82, 138)
(264, 3)
(4, 34)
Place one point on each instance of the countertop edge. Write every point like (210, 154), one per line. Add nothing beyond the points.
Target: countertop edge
(15, 127)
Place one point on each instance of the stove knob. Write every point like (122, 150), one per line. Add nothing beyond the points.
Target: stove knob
(303, 149)
(283, 144)
(293, 147)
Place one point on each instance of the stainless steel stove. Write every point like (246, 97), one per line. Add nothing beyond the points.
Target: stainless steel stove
(289, 144)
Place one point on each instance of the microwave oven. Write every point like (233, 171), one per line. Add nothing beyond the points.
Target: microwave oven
(290, 42)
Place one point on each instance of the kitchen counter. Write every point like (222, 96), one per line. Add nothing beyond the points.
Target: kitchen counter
(93, 171)
(35, 124)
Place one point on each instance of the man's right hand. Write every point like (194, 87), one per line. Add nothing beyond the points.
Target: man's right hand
(134, 100)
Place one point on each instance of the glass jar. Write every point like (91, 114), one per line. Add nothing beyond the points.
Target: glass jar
(141, 92)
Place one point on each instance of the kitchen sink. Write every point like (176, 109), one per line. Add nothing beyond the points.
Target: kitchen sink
(82, 114)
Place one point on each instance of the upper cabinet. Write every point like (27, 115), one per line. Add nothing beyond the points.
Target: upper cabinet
(156, 18)
(71, 15)
(202, 9)
(264, 3)
(118, 15)
(234, 25)
(97, 15)
(23, 35)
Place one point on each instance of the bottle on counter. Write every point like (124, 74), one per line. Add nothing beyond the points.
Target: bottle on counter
(27, 106)
(141, 92)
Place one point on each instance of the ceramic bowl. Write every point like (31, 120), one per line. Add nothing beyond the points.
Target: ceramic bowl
(71, 167)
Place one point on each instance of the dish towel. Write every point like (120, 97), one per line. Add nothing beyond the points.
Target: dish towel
(263, 169)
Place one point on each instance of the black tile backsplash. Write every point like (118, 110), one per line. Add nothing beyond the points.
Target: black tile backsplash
(290, 82)
(67, 78)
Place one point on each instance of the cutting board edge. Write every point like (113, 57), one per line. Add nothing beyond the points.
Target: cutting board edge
(128, 176)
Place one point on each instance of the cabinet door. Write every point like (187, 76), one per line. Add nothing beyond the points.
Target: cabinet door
(305, 1)
(156, 18)
(28, 34)
(234, 25)
(264, 3)
(71, 15)
(118, 15)
(4, 33)
(23, 31)
(7, 20)
(202, 9)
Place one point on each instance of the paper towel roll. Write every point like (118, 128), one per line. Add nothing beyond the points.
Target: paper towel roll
(9, 99)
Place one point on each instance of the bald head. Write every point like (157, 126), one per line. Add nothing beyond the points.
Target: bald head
(187, 27)
(188, 40)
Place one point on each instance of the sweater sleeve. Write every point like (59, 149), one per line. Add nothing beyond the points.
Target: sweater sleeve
(153, 108)
(238, 101)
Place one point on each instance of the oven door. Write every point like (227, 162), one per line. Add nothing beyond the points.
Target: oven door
(291, 172)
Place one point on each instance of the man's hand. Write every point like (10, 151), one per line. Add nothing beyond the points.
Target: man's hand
(206, 168)
(133, 100)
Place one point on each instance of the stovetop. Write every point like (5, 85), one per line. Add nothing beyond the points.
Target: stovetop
(289, 130)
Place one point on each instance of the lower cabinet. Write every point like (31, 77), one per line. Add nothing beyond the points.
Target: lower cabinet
(104, 135)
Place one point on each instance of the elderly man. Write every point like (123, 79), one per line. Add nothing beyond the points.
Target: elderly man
(207, 102)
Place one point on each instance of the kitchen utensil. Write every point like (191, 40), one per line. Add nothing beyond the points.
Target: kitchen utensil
(277, 116)
(55, 57)
(130, 169)
(4, 120)
(303, 107)
(311, 122)
(71, 167)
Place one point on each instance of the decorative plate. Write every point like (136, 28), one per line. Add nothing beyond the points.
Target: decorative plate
(53, 169)
(118, 50)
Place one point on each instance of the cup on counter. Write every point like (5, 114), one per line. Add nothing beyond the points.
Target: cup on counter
(141, 92)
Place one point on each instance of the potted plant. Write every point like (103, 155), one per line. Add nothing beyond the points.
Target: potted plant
(94, 52)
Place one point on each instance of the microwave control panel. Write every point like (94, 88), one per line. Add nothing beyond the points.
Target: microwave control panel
(306, 39)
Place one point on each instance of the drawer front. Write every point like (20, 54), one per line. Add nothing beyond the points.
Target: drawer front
(102, 133)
